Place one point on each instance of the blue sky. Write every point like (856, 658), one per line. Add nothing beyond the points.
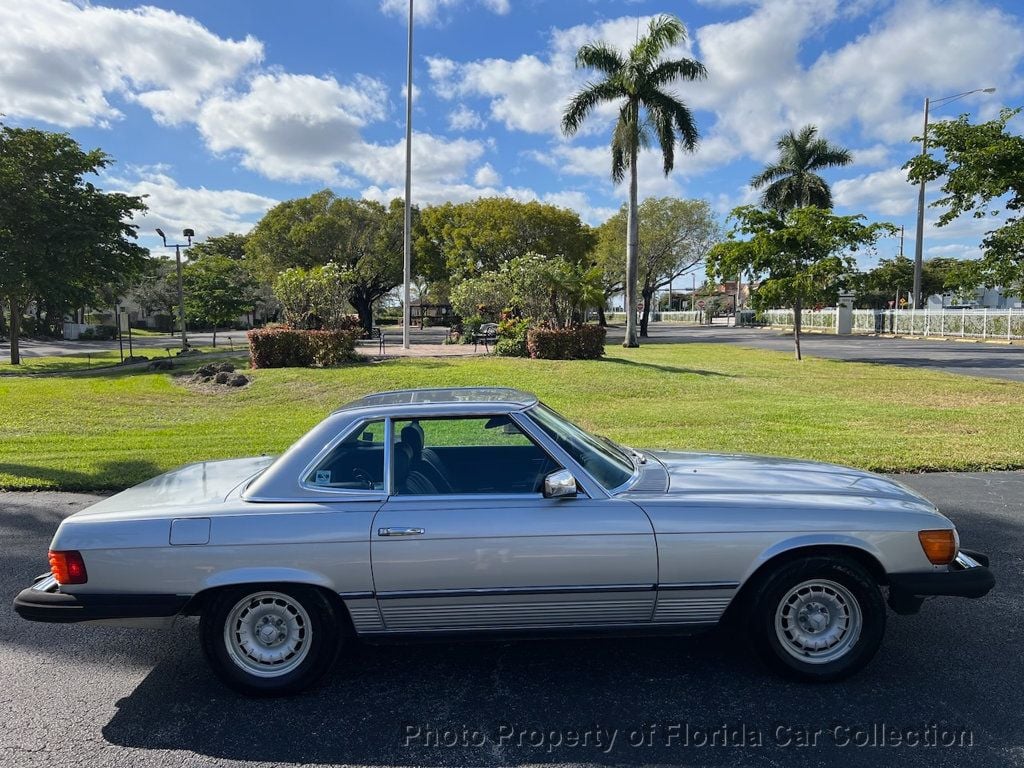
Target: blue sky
(217, 110)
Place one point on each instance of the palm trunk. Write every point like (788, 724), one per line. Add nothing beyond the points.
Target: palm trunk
(15, 330)
(797, 322)
(601, 319)
(632, 244)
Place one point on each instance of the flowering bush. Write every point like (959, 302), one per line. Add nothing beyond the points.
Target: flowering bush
(291, 348)
(512, 337)
(584, 342)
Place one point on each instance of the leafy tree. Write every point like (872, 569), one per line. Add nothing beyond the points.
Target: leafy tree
(313, 298)
(157, 288)
(362, 237)
(983, 168)
(675, 236)
(460, 240)
(637, 83)
(61, 238)
(217, 290)
(796, 254)
(552, 291)
(793, 181)
(231, 246)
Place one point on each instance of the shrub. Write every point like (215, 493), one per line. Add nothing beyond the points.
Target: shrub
(584, 342)
(470, 327)
(512, 338)
(290, 348)
(99, 333)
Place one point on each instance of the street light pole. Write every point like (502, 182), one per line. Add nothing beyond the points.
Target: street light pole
(407, 253)
(188, 234)
(919, 245)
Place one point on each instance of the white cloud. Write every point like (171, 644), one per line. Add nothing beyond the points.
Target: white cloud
(885, 192)
(486, 176)
(294, 127)
(433, 11)
(173, 207)
(434, 159)
(462, 118)
(61, 61)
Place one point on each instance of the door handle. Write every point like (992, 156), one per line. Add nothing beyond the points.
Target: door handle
(399, 531)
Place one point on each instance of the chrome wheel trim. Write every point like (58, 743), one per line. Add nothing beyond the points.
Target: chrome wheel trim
(267, 634)
(818, 621)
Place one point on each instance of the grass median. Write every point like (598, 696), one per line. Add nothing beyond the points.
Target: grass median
(111, 429)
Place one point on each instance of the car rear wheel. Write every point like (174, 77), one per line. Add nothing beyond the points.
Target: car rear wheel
(818, 619)
(270, 641)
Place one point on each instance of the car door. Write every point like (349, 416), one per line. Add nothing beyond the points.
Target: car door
(470, 543)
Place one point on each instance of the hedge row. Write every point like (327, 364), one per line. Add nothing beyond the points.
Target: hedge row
(585, 342)
(290, 348)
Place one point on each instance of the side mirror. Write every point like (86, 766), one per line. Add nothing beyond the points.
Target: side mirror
(560, 485)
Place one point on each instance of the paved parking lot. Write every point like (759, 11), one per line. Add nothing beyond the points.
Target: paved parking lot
(112, 697)
(969, 358)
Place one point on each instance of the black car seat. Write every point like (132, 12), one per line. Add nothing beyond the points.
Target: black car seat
(408, 480)
(424, 460)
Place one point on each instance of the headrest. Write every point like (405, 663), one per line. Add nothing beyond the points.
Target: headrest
(412, 436)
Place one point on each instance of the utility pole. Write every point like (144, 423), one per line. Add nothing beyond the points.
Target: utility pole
(188, 234)
(407, 257)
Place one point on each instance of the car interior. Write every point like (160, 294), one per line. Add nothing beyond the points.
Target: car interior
(451, 456)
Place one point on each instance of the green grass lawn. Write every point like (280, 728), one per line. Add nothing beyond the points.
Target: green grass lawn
(83, 361)
(110, 430)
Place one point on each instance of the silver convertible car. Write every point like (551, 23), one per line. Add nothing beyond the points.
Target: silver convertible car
(480, 511)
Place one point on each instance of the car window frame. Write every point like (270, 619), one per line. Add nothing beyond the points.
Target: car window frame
(393, 495)
(341, 437)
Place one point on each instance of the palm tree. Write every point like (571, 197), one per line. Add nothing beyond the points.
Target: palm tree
(793, 182)
(636, 82)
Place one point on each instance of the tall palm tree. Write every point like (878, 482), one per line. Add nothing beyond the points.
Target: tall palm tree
(636, 82)
(793, 181)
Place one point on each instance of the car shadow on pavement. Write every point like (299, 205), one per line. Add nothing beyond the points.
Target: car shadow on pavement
(702, 700)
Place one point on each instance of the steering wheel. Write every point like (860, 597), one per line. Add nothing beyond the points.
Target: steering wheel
(363, 477)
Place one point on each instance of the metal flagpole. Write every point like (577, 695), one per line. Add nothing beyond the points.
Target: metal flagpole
(407, 272)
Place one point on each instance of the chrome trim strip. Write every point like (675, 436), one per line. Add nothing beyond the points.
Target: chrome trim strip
(559, 590)
(355, 595)
(697, 585)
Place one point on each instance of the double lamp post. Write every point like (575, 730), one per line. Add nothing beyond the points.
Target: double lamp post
(188, 234)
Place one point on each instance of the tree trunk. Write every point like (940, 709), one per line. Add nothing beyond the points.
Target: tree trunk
(601, 319)
(15, 330)
(215, 335)
(646, 316)
(364, 309)
(632, 243)
(797, 322)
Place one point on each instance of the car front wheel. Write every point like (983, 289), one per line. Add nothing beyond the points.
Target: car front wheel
(818, 619)
(270, 641)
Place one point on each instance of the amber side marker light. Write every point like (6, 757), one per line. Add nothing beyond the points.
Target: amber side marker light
(68, 567)
(939, 546)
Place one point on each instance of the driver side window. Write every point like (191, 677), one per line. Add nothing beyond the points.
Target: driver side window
(354, 464)
(467, 455)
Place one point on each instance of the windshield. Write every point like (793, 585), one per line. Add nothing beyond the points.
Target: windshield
(605, 461)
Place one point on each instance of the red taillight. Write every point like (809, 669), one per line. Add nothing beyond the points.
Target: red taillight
(68, 567)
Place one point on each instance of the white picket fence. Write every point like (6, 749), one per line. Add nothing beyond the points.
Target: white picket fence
(1005, 324)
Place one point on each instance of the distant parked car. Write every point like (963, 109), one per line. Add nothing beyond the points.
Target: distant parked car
(459, 512)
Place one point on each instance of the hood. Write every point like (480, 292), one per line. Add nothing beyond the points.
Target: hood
(704, 473)
(200, 484)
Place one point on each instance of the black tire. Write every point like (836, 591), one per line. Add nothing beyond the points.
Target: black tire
(839, 579)
(316, 642)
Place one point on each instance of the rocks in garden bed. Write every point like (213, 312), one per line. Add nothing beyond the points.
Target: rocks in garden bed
(213, 376)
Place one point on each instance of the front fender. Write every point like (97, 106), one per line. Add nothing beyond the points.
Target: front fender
(872, 544)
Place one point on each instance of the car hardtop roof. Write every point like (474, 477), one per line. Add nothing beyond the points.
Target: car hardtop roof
(505, 398)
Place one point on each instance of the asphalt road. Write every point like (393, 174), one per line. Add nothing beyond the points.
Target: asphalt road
(969, 358)
(100, 696)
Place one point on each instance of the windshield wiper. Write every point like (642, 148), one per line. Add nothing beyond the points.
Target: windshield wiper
(625, 451)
